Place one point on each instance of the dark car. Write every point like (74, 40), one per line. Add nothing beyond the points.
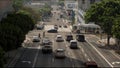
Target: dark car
(47, 49)
(80, 38)
(69, 37)
(60, 26)
(65, 26)
(78, 31)
(52, 31)
(91, 64)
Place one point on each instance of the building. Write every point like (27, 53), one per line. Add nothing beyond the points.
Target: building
(5, 7)
(85, 4)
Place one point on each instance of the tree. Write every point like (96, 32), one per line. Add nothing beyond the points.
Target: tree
(45, 11)
(1, 58)
(17, 4)
(31, 12)
(116, 29)
(11, 36)
(103, 13)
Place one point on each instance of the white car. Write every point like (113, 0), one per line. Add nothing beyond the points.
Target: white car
(59, 53)
(36, 39)
(59, 38)
(46, 41)
(73, 44)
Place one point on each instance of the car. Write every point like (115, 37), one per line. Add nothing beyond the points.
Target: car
(91, 64)
(69, 37)
(47, 49)
(73, 44)
(59, 38)
(59, 53)
(65, 26)
(46, 41)
(36, 39)
(40, 27)
(78, 31)
(80, 38)
(60, 26)
(52, 31)
(57, 19)
(55, 27)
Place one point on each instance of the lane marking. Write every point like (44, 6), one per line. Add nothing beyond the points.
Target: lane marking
(29, 62)
(116, 62)
(35, 59)
(100, 54)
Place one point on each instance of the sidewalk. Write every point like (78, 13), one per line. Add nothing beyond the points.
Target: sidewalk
(13, 56)
(104, 41)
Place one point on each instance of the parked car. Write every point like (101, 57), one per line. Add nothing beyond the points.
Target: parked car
(59, 53)
(73, 44)
(47, 49)
(59, 38)
(36, 39)
(69, 37)
(65, 26)
(80, 37)
(60, 26)
(91, 64)
(52, 31)
(46, 41)
(40, 27)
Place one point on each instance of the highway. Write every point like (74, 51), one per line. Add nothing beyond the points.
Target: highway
(87, 51)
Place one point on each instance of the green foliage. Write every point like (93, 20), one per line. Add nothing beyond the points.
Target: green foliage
(31, 12)
(61, 3)
(11, 36)
(103, 13)
(13, 30)
(116, 28)
(45, 11)
(1, 58)
(23, 21)
(17, 4)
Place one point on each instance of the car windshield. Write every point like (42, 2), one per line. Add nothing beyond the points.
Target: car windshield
(74, 42)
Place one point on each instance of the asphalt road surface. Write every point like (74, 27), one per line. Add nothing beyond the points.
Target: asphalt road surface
(87, 51)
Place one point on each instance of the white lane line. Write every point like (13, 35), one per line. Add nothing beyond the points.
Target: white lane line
(100, 54)
(88, 59)
(85, 55)
(35, 59)
(53, 59)
(82, 50)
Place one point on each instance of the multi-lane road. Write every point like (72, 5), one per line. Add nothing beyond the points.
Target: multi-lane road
(87, 51)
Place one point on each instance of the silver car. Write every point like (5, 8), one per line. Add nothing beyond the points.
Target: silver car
(59, 38)
(36, 39)
(59, 53)
(46, 41)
